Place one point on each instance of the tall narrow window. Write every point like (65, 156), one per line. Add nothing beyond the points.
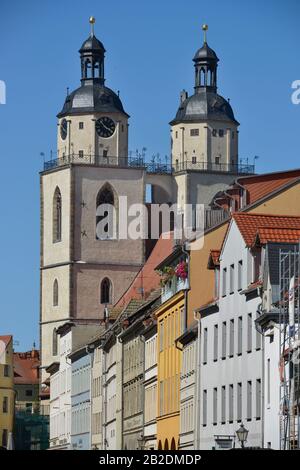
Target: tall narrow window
(56, 216)
(55, 293)
(231, 278)
(223, 404)
(224, 279)
(268, 382)
(240, 335)
(231, 338)
(258, 337)
(216, 338)
(239, 402)
(224, 340)
(54, 342)
(105, 294)
(240, 275)
(105, 214)
(205, 346)
(204, 405)
(249, 400)
(258, 399)
(161, 336)
(249, 333)
(230, 407)
(215, 406)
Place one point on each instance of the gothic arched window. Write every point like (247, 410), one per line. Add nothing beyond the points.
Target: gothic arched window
(57, 216)
(105, 214)
(54, 342)
(105, 291)
(55, 293)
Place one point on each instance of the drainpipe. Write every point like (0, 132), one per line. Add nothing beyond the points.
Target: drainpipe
(197, 317)
(187, 253)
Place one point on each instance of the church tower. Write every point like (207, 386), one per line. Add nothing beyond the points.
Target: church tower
(84, 270)
(204, 135)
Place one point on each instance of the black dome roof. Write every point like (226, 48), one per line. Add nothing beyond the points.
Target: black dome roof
(205, 53)
(202, 106)
(92, 44)
(92, 97)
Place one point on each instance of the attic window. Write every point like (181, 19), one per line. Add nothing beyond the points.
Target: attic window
(194, 132)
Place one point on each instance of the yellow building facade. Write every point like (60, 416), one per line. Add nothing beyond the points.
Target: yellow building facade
(7, 394)
(170, 324)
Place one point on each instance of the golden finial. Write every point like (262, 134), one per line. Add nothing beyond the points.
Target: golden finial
(204, 29)
(92, 21)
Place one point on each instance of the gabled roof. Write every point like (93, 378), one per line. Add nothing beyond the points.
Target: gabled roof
(6, 339)
(249, 224)
(147, 278)
(26, 367)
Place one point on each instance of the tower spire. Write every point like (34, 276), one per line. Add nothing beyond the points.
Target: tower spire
(204, 29)
(92, 21)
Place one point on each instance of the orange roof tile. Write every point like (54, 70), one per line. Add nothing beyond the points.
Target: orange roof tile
(277, 235)
(147, 278)
(259, 186)
(26, 367)
(249, 223)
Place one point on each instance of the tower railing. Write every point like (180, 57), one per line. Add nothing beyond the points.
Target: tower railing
(150, 167)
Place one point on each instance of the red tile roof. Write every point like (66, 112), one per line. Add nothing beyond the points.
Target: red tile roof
(26, 367)
(6, 339)
(249, 224)
(277, 235)
(147, 278)
(259, 186)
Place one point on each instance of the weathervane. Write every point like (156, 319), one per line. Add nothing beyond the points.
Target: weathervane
(92, 21)
(204, 29)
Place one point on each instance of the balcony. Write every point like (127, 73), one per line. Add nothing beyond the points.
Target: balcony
(109, 161)
(236, 169)
(172, 287)
(152, 167)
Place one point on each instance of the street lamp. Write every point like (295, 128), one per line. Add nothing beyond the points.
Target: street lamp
(242, 434)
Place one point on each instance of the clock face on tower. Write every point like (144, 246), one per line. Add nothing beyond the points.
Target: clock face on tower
(105, 127)
(64, 129)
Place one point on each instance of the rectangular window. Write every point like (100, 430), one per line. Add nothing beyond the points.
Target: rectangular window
(161, 336)
(268, 382)
(4, 437)
(224, 340)
(5, 405)
(216, 337)
(231, 338)
(224, 278)
(221, 132)
(240, 275)
(105, 153)
(223, 404)
(28, 393)
(194, 160)
(258, 399)
(240, 335)
(204, 404)
(249, 400)
(161, 398)
(231, 278)
(205, 346)
(6, 370)
(249, 333)
(176, 134)
(194, 132)
(81, 125)
(80, 153)
(258, 337)
(215, 406)
(230, 410)
(239, 402)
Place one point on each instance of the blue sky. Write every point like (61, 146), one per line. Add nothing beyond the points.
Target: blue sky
(150, 45)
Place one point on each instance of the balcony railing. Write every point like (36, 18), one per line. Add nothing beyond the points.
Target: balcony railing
(214, 167)
(150, 167)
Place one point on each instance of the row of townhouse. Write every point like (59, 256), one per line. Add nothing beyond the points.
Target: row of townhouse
(185, 365)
